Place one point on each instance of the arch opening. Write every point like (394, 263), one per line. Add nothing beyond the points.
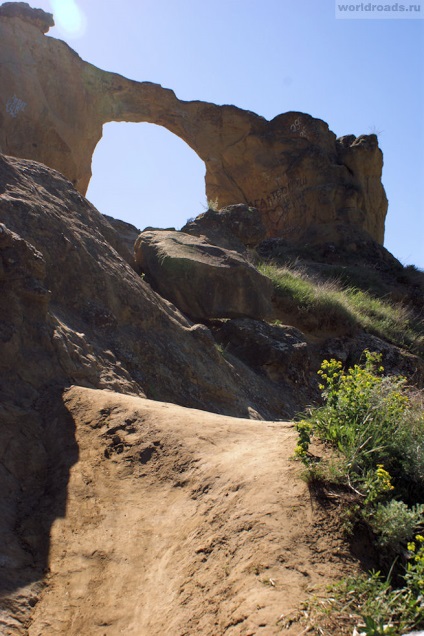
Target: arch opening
(147, 176)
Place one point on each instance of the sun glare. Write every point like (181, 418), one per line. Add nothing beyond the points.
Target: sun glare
(68, 17)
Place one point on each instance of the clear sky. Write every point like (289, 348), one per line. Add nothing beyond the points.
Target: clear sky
(268, 56)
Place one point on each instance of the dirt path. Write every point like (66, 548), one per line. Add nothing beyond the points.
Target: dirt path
(180, 522)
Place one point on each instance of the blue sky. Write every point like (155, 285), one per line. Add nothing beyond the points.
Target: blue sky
(268, 56)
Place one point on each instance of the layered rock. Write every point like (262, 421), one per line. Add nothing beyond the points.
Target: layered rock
(303, 180)
(204, 281)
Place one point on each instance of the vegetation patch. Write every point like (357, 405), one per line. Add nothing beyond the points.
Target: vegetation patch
(321, 305)
(375, 426)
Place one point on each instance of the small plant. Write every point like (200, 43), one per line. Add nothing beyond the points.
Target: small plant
(220, 348)
(378, 485)
(304, 430)
(375, 131)
(394, 523)
(414, 576)
(369, 605)
(213, 204)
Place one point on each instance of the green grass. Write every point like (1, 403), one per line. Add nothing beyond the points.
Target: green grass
(371, 604)
(319, 306)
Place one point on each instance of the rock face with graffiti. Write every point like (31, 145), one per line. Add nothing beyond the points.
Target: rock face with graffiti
(308, 185)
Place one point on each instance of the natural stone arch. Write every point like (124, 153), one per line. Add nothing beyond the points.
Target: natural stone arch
(306, 183)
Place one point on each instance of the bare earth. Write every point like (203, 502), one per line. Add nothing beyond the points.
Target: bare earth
(182, 522)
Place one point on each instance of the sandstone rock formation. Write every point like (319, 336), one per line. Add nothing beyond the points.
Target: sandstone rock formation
(105, 492)
(204, 281)
(37, 17)
(72, 311)
(82, 314)
(304, 181)
(235, 227)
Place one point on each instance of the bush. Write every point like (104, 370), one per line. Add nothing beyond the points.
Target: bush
(373, 421)
(395, 523)
(377, 426)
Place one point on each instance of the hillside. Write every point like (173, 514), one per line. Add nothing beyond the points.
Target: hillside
(106, 496)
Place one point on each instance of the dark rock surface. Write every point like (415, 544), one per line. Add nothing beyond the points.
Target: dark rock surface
(234, 227)
(204, 281)
(22, 10)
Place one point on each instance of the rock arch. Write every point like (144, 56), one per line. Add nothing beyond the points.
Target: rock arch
(305, 182)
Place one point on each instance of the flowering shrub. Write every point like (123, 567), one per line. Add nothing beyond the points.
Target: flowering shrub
(376, 426)
(414, 576)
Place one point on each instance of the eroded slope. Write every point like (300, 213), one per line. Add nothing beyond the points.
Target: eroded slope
(180, 522)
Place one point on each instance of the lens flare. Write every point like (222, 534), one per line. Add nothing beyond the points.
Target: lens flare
(68, 17)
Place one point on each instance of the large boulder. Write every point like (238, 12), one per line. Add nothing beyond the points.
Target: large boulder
(293, 169)
(235, 227)
(204, 281)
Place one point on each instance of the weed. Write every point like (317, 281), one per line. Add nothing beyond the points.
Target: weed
(394, 523)
(213, 204)
(370, 604)
(220, 348)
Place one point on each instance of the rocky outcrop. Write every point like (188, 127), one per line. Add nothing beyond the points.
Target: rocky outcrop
(72, 311)
(37, 17)
(280, 353)
(128, 235)
(204, 281)
(77, 312)
(305, 183)
(234, 227)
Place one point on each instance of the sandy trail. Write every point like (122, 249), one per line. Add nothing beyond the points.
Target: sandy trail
(180, 522)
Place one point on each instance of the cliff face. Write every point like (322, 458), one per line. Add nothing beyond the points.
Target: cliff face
(307, 184)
